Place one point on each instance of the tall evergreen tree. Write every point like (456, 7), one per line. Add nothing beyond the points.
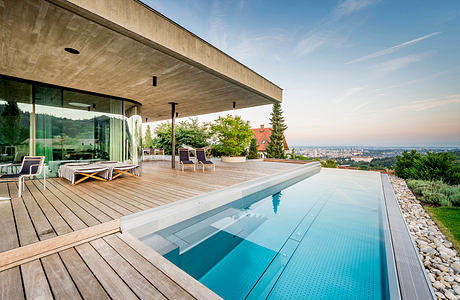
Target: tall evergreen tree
(148, 139)
(275, 148)
(253, 151)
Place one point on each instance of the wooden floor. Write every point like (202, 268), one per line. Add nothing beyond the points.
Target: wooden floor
(108, 266)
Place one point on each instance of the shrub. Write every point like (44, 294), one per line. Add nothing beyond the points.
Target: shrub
(432, 166)
(232, 134)
(329, 163)
(253, 151)
(435, 192)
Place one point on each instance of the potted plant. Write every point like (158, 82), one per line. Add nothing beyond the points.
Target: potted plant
(233, 136)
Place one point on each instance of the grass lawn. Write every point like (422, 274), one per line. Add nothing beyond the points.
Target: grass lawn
(448, 220)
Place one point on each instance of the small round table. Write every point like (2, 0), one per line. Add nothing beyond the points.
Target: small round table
(1, 166)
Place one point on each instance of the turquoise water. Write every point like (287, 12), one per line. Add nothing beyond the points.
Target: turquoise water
(321, 238)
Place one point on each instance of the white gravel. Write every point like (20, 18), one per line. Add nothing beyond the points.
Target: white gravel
(441, 260)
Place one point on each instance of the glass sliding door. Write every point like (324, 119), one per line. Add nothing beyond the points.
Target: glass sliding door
(16, 121)
(66, 125)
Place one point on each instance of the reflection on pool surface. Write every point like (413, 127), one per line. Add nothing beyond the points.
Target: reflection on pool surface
(321, 238)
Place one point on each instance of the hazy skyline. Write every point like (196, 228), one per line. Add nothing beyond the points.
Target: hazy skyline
(354, 72)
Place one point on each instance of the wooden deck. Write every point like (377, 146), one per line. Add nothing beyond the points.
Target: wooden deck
(106, 264)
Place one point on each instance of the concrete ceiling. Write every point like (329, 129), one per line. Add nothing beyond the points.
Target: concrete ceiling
(33, 36)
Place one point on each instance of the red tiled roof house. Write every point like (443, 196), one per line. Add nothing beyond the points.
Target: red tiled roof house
(262, 136)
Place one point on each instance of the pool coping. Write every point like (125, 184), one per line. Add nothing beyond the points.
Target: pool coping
(412, 278)
(151, 220)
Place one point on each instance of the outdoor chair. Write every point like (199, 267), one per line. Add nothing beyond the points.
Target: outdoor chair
(201, 157)
(184, 159)
(31, 166)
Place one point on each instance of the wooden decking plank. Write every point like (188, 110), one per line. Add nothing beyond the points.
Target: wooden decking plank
(25, 228)
(11, 284)
(192, 286)
(95, 212)
(8, 234)
(42, 226)
(113, 284)
(143, 288)
(35, 283)
(59, 279)
(161, 191)
(117, 192)
(166, 285)
(85, 281)
(133, 197)
(99, 204)
(60, 226)
(76, 208)
(72, 219)
(114, 198)
(81, 189)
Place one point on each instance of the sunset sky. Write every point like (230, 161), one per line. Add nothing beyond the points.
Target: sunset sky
(354, 72)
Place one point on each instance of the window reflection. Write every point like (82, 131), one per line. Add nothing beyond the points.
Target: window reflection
(65, 125)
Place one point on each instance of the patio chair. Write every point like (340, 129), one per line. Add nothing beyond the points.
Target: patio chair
(31, 166)
(201, 157)
(184, 159)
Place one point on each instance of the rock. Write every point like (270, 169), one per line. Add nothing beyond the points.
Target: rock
(456, 266)
(440, 295)
(447, 244)
(447, 251)
(456, 288)
(443, 268)
(431, 277)
(428, 250)
(450, 296)
(457, 278)
(438, 285)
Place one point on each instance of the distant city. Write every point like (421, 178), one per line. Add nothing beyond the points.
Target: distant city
(362, 153)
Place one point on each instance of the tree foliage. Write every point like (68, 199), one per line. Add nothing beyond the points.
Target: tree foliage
(12, 131)
(148, 139)
(329, 163)
(232, 134)
(189, 132)
(253, 149)
(275, 147)
(432, 166)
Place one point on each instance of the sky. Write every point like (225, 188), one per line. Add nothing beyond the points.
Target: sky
(353, 72)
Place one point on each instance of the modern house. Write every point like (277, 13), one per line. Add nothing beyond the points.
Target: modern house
(78, 78)
(262, 136)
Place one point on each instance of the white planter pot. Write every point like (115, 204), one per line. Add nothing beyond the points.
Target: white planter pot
(235, 159)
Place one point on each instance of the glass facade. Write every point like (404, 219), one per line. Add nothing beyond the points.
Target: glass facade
(66, 125)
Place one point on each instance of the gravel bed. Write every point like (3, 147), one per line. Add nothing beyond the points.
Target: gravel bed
(441, 260)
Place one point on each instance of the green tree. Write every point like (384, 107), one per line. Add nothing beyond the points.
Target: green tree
(292, 155)
(329, 163)
(148, 139)
(406, 165)
(232, 134)
(275, 147)
(12, 132)
(253, 150)
(189, 132)
(432, 166)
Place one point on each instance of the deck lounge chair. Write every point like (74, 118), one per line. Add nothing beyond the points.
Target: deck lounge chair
(184, 159)
(31, 166)
(201, 157)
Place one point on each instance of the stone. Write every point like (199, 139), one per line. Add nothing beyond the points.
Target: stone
(431, 277)
(438, 285)
(440, 295)
(450, 296)
(456, 288)
(428, 250)
(456, 266)
(447, 251)
(449, 278)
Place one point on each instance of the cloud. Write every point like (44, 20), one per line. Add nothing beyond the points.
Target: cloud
(393, 49)
(217, 26)
(348, 93)
(398, 63)
(257, 47)
(330, 30)
(421, 105)
(349, 7)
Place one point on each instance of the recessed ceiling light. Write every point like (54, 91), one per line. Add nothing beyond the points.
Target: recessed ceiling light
(78, 104)
(72, 50)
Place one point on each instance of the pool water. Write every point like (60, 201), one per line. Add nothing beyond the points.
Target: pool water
(321, 238)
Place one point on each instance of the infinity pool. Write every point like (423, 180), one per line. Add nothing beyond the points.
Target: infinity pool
(321, 238)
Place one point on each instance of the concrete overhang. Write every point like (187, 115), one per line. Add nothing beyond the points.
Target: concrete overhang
(122, 44)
